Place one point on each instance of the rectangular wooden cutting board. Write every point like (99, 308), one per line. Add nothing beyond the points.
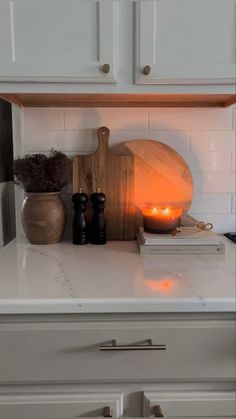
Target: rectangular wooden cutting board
(114, 174)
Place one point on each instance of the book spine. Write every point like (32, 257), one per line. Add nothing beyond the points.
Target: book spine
(181, 250)
(179, 242)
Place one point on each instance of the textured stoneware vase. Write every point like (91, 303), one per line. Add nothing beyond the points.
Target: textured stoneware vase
(43, 217)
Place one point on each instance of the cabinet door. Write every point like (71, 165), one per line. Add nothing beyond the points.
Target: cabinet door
(61, 406)
(56, 40)
(205, 405)
(185, 41)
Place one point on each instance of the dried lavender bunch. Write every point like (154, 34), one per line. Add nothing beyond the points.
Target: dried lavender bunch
(41, 173)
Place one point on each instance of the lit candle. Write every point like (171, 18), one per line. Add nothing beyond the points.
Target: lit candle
(161, 220)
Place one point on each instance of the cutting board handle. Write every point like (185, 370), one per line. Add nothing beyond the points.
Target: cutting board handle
(103, 134)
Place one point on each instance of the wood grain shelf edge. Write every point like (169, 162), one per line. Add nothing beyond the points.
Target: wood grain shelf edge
(119, 100)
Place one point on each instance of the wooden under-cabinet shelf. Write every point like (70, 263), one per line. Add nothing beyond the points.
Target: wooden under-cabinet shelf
(120, 100)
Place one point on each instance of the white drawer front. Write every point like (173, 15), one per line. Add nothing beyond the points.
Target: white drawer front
(61, 406)
(190, 405)
(71, 351)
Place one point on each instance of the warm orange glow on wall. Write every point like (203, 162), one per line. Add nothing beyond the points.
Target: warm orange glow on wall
(161, 176)
(165, 191)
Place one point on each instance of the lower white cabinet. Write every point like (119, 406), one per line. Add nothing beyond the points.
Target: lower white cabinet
(97, 404)
(190, 405)
(61, 406)
(169, 366)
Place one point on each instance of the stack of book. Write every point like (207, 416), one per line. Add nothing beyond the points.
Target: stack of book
(189, 240)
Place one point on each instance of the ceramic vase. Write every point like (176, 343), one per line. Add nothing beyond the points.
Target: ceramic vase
(43, 217)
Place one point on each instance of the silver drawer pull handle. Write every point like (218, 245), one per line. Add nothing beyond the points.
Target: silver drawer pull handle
(147, 346)
(157, 411)
(107, 412)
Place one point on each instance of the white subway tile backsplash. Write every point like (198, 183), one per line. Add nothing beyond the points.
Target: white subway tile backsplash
(72, 141)
(233, 161)
(191, 119)
(222, 223)
(114, 119)
(217, 183)
(204, 137)
(213, 140)
(66, 141)
(176, 139)
(233, 208)
(211, 204)
(208, 161)
(43, 118)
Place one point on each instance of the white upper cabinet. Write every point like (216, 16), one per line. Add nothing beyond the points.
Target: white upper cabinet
(166, 43)
(185, 42)
(57, 40)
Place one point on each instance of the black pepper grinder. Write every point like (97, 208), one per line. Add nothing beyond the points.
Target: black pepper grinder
(98, 223)
(80, 224)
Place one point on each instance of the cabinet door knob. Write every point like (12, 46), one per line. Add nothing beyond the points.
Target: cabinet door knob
(157, 411)
(146, 70)
(107, 412)
(106, 68)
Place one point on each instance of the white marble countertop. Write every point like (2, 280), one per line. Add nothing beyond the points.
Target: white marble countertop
(114, 278)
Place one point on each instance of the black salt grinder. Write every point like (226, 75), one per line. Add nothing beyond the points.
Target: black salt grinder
(80, 224)
(98, 222)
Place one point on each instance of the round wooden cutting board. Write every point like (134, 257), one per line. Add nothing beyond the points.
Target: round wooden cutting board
(161, 176)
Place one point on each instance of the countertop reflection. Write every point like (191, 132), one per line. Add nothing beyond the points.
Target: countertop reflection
(63, 278)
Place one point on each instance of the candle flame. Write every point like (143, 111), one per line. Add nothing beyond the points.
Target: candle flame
(160, 212)
(166, 211)
(154, 210)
